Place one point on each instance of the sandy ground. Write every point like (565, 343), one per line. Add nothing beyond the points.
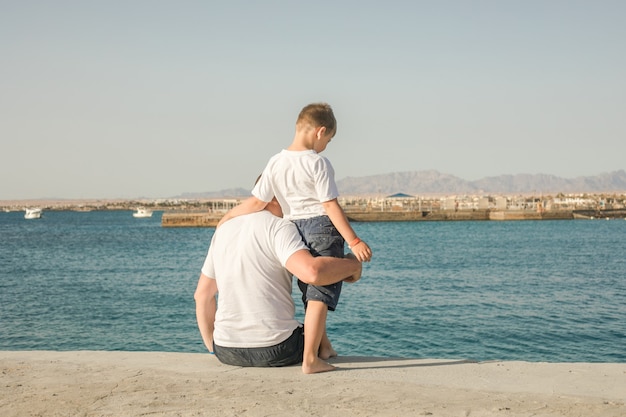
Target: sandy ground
(85, 383)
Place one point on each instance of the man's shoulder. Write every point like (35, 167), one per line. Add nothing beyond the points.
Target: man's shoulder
(261, 218)
(261, 223)
(265, 218)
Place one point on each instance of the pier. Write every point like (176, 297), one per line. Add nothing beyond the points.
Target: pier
(190, 219)
(208, 217)
(199, 219)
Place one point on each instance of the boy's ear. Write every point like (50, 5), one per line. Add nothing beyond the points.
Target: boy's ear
(320, 131)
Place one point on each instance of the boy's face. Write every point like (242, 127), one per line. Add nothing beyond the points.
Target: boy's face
(323, 139)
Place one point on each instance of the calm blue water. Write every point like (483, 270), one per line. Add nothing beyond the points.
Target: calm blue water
(534, 290)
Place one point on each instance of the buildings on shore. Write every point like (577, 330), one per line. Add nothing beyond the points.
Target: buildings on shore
(404, 202)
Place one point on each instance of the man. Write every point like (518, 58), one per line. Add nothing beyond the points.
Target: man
(251, 259)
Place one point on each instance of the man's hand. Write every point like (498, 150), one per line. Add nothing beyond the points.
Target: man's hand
(357, 275)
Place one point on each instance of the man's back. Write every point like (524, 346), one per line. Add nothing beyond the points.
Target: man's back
(247, 257)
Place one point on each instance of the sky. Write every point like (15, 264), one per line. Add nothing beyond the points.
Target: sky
(152, 99)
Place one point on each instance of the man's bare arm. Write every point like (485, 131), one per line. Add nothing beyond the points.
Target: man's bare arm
(323, 270)
(206, 306)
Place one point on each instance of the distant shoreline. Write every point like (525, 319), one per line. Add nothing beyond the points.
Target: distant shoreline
(169, 203)
(207, 212)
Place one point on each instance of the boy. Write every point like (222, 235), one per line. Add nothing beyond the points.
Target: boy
(304, 185)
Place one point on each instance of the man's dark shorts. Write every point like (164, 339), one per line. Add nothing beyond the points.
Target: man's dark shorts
(323, 239)
(286, 353)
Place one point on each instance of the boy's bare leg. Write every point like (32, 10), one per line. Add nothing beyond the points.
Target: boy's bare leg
(314, 330)
(326, 348)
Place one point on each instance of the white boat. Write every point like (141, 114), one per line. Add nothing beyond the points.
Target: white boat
(32, 213)
(142, 212)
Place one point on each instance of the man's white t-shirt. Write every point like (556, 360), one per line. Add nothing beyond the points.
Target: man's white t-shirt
(247, 258)
(301, 182)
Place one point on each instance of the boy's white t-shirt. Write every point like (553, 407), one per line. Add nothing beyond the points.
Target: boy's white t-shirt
(301, 182)
(247, 257)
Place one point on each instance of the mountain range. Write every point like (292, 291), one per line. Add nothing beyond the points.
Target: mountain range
(435, 182)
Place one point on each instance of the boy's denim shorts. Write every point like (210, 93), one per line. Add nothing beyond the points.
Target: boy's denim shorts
(323, 239)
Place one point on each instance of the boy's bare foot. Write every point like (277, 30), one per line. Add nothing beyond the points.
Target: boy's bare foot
(327, 352)
(316, 367)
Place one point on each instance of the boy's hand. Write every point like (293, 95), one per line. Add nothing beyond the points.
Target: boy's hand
(362, 251)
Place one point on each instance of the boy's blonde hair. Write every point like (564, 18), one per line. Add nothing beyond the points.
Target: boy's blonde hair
(318, 115)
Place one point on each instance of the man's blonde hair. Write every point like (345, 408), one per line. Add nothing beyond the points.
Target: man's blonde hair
(318, 115)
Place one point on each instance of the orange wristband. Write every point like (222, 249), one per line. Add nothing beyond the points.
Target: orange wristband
(355, 242)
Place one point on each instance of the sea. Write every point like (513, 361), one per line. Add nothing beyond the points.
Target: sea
(539, 291)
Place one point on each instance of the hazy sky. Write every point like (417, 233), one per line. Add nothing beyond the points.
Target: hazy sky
(107, 99)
